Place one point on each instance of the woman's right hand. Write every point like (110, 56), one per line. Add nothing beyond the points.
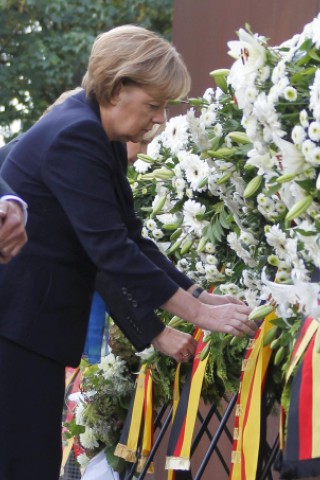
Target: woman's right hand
(229, 318)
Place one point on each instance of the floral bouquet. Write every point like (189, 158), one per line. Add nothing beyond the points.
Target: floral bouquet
(232, 187)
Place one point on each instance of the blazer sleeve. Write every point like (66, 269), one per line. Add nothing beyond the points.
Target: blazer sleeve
(5, 189)
(79, 168)
(140, 332)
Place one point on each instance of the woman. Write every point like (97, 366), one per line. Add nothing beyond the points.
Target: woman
(70, 168)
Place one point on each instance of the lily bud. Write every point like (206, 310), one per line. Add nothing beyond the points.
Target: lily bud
(202, 244)
(299, 208)
(157, 207)
(260, 312)
(253, 186)
(197, 102)
(175, 234)
(224, 178)
(203, 182)
(222, 152)
(286, 178)
(159, 173)
(239, 137)
(145, 158)
(186, 245)
(220, 77)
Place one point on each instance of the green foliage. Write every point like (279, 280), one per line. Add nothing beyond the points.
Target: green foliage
(44, 47)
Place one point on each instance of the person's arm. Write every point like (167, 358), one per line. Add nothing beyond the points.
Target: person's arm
(142, 285)
(229, 318)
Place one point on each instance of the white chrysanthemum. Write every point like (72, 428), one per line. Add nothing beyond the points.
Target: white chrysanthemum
(276, 238)
(211, 260)
(141, 167)
(157, 233)
(199, 267)
(251, 297)
(207, 118)
(312, 30)
(304, 118)
(111, 366)
(230, 289)
(83, 460)
(307, 148)
(298, 134)
(314, 131)
(290, 94)
(197, 130)
(250, 279)
(179, 183)
(79, 413)
(315, 96)
(151, 224)
(183, 264)
(154, 147)
(250, 124)
(176, 134)
(311, 243)
(314, 157)
(191, 209)
(264, 110)
(88, 439)
(169, 218)
(236, 245)
(209, 95)
(210, 247)
(196, 170)
(248, 238)
(217, 130)
(211, 270)
(278, 72)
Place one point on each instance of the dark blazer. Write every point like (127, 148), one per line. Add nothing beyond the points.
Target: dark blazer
(5, 189)
(81, 220)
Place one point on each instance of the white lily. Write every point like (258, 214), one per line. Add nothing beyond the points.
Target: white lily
(292, 159)
(305, 294)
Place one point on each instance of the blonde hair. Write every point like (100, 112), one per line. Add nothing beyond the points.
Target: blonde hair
(132, 54)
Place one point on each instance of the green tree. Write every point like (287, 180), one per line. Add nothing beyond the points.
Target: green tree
(44, 47)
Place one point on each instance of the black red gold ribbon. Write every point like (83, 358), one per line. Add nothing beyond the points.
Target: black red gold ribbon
(179, 446)
(300, 425)
(245, 452)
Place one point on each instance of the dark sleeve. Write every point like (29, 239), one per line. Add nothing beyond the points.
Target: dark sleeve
(139, 332)
(4, 152)
(5, 189)
(79, 170)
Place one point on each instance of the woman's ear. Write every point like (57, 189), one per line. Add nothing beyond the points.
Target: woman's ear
(116, 93)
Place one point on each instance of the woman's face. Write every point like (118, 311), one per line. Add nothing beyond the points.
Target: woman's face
(132, 113)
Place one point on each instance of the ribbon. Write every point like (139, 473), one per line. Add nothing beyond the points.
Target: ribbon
(247, 428)
(185, 414)
(96, 343)
(128, 444)
(300, 425)
(72, 383)
(147, 438)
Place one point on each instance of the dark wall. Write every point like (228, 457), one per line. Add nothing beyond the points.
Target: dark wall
(202, 28)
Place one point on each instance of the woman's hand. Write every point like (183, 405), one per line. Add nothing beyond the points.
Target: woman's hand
(212, 299)
(12, 232)
(178, 345)
(229, 318)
